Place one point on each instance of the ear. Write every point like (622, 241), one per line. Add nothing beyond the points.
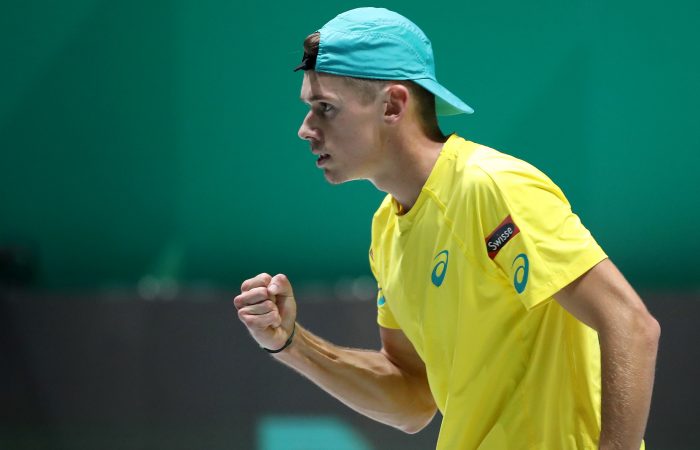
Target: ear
(396, 103)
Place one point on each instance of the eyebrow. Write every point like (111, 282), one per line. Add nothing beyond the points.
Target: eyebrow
(316, 97)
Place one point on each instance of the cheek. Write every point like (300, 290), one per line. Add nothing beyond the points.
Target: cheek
(353, 131)
(356, 131)
(339, 133)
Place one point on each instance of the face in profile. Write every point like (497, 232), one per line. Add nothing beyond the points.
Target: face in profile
(344, 132)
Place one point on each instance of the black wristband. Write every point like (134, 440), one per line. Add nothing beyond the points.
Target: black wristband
(286, 344)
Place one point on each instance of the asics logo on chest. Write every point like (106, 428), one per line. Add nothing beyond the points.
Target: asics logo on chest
(440, 268)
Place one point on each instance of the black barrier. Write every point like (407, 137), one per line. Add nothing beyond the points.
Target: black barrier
(115, 372)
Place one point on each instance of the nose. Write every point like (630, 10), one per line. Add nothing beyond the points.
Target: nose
(306, 131)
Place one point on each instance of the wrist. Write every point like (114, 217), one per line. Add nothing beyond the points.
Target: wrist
(286, 344)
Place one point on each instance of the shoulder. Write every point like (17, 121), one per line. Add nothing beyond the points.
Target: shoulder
(485, 185)
(501, 166)
(468, 168)
(497, 172)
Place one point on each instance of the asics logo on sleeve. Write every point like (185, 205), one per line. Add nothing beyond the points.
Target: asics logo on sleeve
(440, 269)
(521, 273)
(381, 300)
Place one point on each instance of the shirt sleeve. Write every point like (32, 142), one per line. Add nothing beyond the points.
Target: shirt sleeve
(530, 232)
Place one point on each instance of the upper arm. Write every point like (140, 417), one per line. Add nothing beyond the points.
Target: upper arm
(400, 351)
(602, 298)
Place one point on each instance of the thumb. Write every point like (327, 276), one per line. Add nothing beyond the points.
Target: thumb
(280, 286)
(281, 289)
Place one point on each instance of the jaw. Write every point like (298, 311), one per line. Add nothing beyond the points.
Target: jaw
(333, 177)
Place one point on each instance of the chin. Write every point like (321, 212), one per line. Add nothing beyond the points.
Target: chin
(339, 177)
(334, 178)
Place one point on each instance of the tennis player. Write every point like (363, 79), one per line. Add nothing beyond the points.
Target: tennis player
(496, 306)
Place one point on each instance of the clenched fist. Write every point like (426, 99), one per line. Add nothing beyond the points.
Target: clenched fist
(267, 307)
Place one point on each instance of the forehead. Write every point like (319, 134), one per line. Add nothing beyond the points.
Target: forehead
(320, 87)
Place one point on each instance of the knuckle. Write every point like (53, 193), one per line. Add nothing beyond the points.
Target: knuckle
(260, 290)
(262, 279)
(276, 318)
(257, 294)
(251, 297)
(263, 320)
(248, 320)
(241, 301)
(261, 308)
(280, 277)
(271, 318)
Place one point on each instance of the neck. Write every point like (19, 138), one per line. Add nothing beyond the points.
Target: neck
(410, 159)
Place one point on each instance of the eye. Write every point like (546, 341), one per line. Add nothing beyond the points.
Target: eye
(325, 107)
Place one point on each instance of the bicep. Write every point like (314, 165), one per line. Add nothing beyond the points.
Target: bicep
(601, 298)
(400, 351)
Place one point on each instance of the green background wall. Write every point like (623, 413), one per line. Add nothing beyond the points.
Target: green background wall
(159, 138)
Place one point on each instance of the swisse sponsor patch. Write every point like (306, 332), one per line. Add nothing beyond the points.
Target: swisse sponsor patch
(501, 235)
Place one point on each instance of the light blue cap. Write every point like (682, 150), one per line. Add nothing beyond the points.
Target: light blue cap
(381, 44)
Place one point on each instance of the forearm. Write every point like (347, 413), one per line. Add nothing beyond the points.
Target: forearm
(628, 360)
(366, 381)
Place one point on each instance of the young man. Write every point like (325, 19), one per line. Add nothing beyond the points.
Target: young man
(496, 306)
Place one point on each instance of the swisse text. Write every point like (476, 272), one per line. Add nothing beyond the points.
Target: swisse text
(502, 239)
(501, 235)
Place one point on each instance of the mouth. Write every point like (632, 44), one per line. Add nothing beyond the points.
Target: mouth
(322, 159)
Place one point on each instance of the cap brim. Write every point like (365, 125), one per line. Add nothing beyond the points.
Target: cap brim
(446, 103)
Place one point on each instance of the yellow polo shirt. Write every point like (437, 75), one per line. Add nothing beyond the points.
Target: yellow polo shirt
(468, 274)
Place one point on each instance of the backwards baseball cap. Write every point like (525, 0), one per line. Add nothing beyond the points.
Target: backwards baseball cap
(381, 44)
